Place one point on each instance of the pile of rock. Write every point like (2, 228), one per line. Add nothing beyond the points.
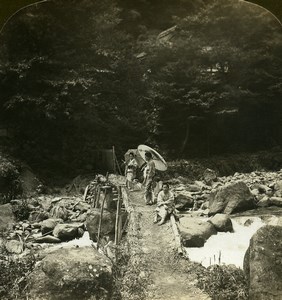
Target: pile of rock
(217, 198)
(54, 220)
(229, 194)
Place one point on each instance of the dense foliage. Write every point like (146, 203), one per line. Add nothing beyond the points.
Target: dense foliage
(215, 84)
(9, 179)
(224, 283)
(77, 76)
(13, 276)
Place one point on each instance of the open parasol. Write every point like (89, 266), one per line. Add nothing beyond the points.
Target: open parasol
(160, 163)
(139, 159)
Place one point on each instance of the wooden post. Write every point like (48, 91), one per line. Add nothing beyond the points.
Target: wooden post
(85, 193)
(119, 170)
(114, 160)
(100, 221)
(176, 234)
(119, 225)
(97, 197)
(118, 216)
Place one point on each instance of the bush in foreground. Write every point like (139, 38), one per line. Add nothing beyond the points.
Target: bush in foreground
(225, 282)
(13, 276)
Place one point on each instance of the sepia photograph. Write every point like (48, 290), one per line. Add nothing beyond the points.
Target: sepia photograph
(140, 150)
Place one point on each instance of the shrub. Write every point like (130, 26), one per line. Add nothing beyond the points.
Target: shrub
(21, 211)
(9, 179)
(224, 282)
(129, 282)
(13, 276)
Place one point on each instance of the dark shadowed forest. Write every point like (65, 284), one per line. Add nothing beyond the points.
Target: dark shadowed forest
(192, 78)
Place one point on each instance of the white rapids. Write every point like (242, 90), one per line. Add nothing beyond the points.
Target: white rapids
(227, 247)
(84, 241)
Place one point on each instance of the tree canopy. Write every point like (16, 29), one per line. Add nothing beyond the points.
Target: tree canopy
(192, 77)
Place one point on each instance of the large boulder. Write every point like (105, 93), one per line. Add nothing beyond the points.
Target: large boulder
(231, 198)
(263, 264)
(71, 273)
(183, 201)
(107, 224)
(277, 201)
(66, 232)
(222, 222)
(195, 231)
(7, 217)
(47, 226)
(278, 188)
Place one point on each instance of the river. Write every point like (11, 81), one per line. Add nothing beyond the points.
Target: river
(230, 247)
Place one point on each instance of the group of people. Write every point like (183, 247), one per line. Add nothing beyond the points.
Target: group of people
(164, 198)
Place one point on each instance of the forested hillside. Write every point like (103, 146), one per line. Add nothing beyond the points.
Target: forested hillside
(193, 78)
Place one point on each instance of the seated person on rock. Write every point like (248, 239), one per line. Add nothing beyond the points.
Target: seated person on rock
(165, 204)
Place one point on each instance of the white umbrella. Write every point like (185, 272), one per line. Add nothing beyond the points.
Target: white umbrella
(139, 159)
(160, 163)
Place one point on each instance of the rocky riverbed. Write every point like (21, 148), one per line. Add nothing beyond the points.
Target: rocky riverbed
(214, 210)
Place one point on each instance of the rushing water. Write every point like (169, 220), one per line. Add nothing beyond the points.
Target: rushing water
(227, 247)
(81, 242)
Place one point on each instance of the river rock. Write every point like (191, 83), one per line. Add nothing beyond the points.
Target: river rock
(47, 239)
(255, 192)
(82, 206)
(201, 184)
(38, 216)
(231, 198)
(45, 203)
(66, 232)
(222, 223)
(183, 201)
(263, 264)
(14, 246)
(264, 202)
(59, 212)
(193, 188)
(205, 205)
(47, 226)
(278, 187)
(81, 218)
(194, 232)
(7, 217)
(92, 222)
(209, 176)
(277, 201)
(71, 273)
(263, 188)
